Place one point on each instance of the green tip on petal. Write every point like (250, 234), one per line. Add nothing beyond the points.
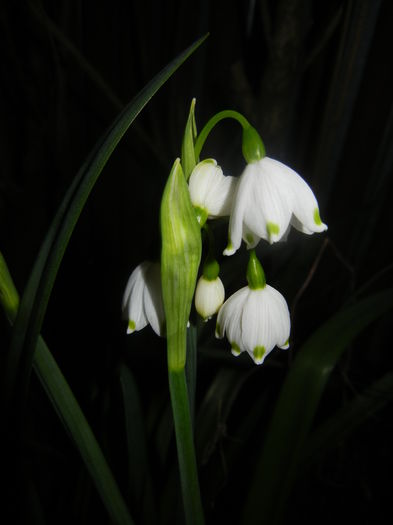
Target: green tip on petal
(272, 229)
(259, 352)
(235, 349)
(131, 326)
(255, 274)
(317, 218)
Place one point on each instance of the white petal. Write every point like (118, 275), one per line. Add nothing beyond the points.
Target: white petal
(240, 203)
(279, 316)
(135, 306)
(229, 317)
(152, 298)
(304, 204)
(269, 210)
(210, 189)
(258, 330)
(209, 296)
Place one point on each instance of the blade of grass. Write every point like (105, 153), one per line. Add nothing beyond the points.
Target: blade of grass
(38, 289)
(294, 412)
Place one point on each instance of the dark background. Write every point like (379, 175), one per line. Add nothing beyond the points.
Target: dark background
(315, 78)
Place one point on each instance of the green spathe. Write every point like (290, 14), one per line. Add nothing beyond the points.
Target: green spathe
(180, 258)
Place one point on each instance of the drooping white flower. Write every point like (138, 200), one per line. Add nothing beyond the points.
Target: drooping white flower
(142, 299)
(209, 296)
(255, 321)
(211, 191)
(256, 317)
(270, 197)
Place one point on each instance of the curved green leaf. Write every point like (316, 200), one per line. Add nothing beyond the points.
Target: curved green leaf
(294, 412)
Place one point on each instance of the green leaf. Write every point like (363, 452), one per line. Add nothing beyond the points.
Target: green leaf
(73, 419)
(295, 409)
(38, 289)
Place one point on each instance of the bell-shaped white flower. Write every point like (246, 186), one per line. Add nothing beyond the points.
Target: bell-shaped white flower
(270, 197)
(211, 191)
(256, 318)
(142, 299)
(209, 296)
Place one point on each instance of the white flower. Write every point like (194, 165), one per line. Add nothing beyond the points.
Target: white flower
(142, 299)
(271, 197)
(255, 320)
(209, 296)
(211, 192)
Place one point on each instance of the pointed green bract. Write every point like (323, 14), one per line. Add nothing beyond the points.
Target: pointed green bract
(180, 258)
(187, 150)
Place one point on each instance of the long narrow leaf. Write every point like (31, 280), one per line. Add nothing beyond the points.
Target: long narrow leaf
(291, 421)
(74, 421)
(40, 284)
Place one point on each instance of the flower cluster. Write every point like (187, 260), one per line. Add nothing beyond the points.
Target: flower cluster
(264, 202)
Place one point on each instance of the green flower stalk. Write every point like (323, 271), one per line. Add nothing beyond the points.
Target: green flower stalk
(180, 258)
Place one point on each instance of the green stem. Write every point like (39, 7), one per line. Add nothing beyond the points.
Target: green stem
(227, 113)
(185, 448)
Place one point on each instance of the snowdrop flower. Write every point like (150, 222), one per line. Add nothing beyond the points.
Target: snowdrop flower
(256, 318)
(209, 293)
(142, 299)
(270, 197)
(211, 191)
